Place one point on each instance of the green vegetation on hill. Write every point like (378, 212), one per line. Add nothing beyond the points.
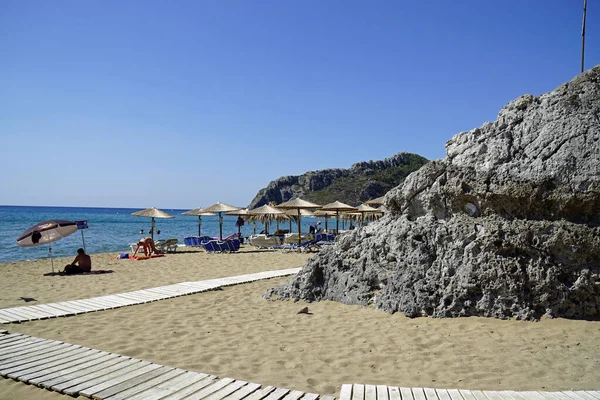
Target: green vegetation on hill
(362, 184)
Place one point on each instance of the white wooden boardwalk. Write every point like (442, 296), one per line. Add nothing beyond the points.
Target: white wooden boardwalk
(66, 308)
(81, 371)
(382, 392)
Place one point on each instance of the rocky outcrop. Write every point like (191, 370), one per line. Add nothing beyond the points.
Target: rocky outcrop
(506, 226)
(361, 182)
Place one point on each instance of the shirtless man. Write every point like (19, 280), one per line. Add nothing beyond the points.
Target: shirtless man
(84, 262)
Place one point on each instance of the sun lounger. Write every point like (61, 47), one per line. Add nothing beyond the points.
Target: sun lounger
(309, 245)
(264, 241)
(225, 246)
(292, 238)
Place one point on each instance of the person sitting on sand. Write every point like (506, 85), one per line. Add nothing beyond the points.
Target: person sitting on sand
(148, 245)
(83, 261)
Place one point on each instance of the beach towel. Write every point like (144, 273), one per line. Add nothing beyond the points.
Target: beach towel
(94, 272)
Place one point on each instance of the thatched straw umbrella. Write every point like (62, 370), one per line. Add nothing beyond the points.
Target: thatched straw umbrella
(324, 214)
(239, 213)
(365, 209)
(298, 204)
(152, 213)
(292, 215)
(375, 202)
(200, 213)
(337, 206)
(265, 214)
(220, 208)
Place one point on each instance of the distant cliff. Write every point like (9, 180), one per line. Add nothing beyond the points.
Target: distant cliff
(363, 181)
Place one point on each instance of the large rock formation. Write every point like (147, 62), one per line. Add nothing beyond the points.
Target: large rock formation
(507, 225)
(361, 182)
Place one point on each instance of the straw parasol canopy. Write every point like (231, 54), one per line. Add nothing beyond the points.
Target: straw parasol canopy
(242, 212)
(292, 215)
(365, 209)
(220, 208)
(200, 213)
(265, 214)
(338, 206)
(152, 213)
(375, 202)
(324, 214)
(298, 204)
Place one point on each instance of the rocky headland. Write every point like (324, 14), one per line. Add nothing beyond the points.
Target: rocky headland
(361, 182)
(506, 226)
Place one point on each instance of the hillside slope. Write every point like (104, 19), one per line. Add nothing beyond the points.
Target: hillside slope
(361, 182)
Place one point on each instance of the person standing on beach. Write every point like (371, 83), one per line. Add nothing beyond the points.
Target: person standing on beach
(83, 261)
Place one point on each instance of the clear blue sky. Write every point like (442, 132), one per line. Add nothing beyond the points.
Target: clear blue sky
(180, 104)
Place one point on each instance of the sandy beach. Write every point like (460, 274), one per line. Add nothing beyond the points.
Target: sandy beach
(235, 333)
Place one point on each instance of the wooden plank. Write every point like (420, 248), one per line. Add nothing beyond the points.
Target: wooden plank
(406, 393)
(27, 349)
(514, 395)
(327, 398)
(172, 386)
(210, 389)
(596, 394)
(358, 392)
(467, 395)
(226, 391)
(9, 339)
(59, 384)
(47, 363)
(261, 394)
(346, 392)
(293, 395)
(32, 314)
(127, 394)
(61, 369)
(394, 393)
(11, 316)
(277, 394)
(17, 364)
(249, 389)
(121, 376)
(2, 331)
(382, 392)
(193, 388)
(430, 394)
(57, 312)
(370, 392)
(131, 383)
(584, 395)
(93, 381)
(442, 394)
(478, 394)
(23, 311)
(307, 396)
(454, 394)
(418, 394)
(492, 395)
(62, 375)
(44, 311)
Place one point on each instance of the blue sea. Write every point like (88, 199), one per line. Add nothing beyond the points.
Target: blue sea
(110, 229)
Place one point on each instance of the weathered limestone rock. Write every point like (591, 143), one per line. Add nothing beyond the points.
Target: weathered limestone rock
(507, 225)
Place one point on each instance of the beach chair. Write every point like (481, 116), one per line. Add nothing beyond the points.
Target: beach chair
(170, 245)
(292, 238)
(264, 241)
(309, 245)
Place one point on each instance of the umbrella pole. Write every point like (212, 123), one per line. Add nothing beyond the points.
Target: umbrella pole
(50, 254)
(299, 241)
(152, 230)
(337, 222)
(221, 226)
(199, 225)
(254, 228)
(326, 223)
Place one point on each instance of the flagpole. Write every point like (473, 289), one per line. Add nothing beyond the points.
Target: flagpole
(583, 35)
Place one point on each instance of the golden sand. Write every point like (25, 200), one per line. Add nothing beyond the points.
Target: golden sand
(235, 333)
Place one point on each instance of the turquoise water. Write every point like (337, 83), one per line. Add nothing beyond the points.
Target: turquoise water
(110, 229)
